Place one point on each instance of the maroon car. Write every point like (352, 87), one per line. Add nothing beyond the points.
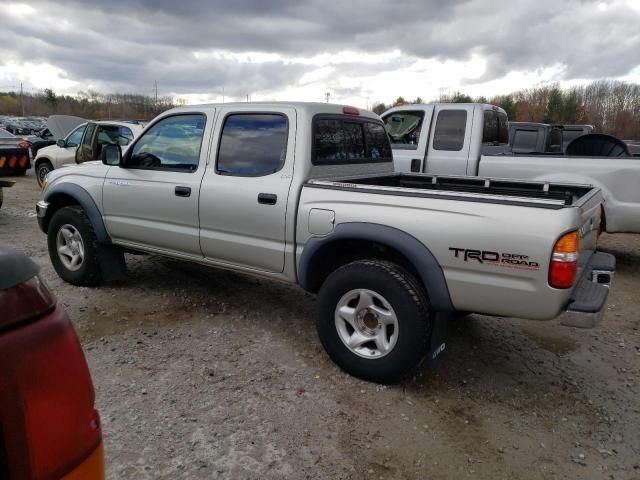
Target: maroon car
(49, 427)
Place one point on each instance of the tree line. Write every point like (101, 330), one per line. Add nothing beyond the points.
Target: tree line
(89, 104)
(612, 107)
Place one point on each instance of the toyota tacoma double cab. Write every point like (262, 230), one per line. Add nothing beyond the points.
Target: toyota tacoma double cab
(306, 193)
(473, 139)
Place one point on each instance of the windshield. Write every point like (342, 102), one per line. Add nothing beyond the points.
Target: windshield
(403, 129)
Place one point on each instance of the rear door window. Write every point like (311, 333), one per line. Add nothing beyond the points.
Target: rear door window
(339, 141)
(253, 145)
(450, 130)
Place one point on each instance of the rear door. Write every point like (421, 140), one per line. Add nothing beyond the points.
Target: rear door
(243, 199)
(450, 140)
(152, 199)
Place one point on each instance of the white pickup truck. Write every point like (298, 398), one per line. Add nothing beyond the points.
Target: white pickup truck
(473, 139)
(305, 193)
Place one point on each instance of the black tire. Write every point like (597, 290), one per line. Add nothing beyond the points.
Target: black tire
(41, 171)
(408, 300)
(89, 272)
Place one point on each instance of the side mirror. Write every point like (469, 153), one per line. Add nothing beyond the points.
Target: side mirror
(62, 143)
(111, 155)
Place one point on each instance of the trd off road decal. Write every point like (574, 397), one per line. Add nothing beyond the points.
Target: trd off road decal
(485, 257)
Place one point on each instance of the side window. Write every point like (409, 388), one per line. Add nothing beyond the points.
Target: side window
(252, 144)
(88, 135)
(403, 129)
(378, 146)
(171, 144)
(450, 129)
(74, 139)
(338, 142)
(125, 136)
(525, 140)
(503, 127)
(490, 128)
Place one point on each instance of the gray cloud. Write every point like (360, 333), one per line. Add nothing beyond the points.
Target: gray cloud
(127, 44)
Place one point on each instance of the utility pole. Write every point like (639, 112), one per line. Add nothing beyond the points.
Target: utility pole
(247, 98)
(21, 99)
(156, 84)
(327, 96)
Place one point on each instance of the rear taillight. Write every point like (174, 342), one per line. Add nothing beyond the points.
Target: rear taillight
(24, 302)
(564, 261)
(24, 144)
(350, 111)
(62, 426)
(601, 223)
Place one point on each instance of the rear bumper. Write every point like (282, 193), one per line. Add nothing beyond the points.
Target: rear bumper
(91, 469)
(588, 301)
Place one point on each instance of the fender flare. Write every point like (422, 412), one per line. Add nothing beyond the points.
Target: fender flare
(87, 203)
(414, 250)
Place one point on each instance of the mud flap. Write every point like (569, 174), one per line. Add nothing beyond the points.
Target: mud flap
(437, 343)
(112, 263)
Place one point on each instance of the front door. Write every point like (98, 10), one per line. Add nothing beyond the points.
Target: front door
(84, 152)
(152, 199)
(243, 200)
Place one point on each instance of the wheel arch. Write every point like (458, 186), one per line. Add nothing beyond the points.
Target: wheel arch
(39, 160)
(355, 241)
(64, 195)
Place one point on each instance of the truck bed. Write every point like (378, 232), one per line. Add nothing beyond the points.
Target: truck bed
(475, 189)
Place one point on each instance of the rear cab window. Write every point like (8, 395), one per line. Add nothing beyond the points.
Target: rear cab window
(340, 140)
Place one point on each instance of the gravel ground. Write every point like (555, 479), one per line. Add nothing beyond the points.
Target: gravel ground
(202, 373)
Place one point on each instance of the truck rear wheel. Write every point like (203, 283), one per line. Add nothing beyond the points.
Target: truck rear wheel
(374, 320)
(73, 247)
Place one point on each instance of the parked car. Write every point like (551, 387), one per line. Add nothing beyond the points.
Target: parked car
(14, 154)
(50, 428)
(83, 144)
(305, 193)
(531, 137)
(473, 139)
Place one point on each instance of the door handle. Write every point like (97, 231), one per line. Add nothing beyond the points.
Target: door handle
(267, 198)
(183, 191)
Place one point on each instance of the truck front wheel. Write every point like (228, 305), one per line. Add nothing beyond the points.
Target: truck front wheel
(73, 247)
(374, 320)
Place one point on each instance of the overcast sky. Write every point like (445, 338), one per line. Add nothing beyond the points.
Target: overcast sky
(361, 51)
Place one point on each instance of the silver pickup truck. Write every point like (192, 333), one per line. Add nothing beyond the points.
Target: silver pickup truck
(473, 139)
(306, 193)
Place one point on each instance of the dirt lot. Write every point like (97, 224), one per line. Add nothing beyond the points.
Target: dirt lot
(202, 373)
